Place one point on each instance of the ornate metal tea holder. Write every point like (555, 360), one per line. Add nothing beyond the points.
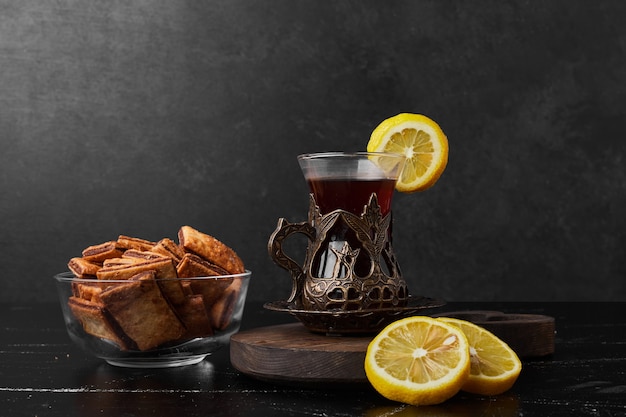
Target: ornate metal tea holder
(350, 282)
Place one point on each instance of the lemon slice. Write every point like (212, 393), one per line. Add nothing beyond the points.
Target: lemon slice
(423, 143)
(494, 365)
(418, 360)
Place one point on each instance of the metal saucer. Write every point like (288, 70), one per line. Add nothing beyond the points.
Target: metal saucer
(351, 322)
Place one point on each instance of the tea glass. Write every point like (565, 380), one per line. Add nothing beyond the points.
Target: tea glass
(349, 263)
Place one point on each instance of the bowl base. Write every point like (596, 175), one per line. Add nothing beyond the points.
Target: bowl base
(155, 362)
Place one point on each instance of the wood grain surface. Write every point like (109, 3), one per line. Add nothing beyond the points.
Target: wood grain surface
(289, 352)
(529, 335)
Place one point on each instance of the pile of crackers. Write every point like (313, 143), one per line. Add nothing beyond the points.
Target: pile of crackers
(160, 300)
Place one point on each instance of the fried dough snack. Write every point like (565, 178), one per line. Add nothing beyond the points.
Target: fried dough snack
(82, 268)
(210, 249)
(142, 312)
(149, 310)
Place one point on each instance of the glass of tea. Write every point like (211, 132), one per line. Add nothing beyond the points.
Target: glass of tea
(349, 263)
(341, 180)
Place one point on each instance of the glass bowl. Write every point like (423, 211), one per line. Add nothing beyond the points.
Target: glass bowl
(139, 324)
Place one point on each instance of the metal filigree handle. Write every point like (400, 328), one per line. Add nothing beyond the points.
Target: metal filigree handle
(284, 229)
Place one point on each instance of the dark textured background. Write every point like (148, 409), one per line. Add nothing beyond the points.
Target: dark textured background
(138, 117)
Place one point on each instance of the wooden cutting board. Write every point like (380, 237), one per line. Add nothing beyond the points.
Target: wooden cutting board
(291, 353)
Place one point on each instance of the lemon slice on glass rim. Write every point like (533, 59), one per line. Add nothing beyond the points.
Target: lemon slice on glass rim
(421, 141)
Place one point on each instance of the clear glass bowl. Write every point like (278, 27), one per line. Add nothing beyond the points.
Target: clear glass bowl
(223, 301)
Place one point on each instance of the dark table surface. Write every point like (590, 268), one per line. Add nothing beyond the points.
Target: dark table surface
(43, 374)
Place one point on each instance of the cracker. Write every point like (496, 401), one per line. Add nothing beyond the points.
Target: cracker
(221, 312)
(88, 290)
(82, 268)
(98, 253)
(97, 322)
(142, 254)
(120, 262)
(194, 316)
(210, 249)
(142, 311)
(128, 242)
(191, 265)
(168, 247)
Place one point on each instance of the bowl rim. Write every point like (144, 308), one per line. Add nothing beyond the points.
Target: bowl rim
(69, 277)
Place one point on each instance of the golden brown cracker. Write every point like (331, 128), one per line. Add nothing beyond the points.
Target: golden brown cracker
(88, 290)
(168, 247)
(191, 265)
(97, 322)
(129, 242)
(98, 253)
(210, 249)
(82, 268)
(120, 262)
(142, 311)
(164, 269)
(142, 254)
(194, 316)
(221, 312)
